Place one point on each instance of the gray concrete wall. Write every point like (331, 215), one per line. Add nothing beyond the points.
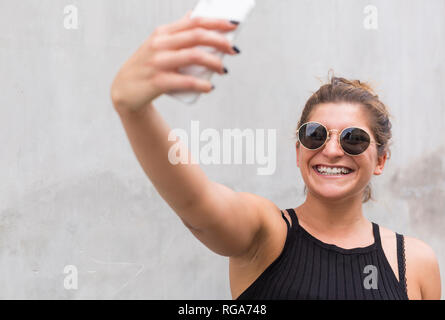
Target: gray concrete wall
(72, 192)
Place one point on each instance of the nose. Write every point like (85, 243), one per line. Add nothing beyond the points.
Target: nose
(332, 147)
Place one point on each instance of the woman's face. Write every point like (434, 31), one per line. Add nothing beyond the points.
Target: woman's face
(339, 116)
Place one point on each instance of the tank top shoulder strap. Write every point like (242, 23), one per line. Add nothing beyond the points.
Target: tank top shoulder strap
(401, 260)
(293, 217)
(376, 233)
(285, 219)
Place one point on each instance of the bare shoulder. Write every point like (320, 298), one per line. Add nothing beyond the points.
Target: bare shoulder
(417, 252)
(422, 267)
(270, 215)
(420, 250)
(422, 263)
(273, 229)
(266, 247)
(266, 208)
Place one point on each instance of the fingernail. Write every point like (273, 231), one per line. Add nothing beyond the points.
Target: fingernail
(225, 70)
(213, 87)
(234, 22)
(235, 48)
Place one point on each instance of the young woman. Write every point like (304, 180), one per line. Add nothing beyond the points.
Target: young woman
(323, 249)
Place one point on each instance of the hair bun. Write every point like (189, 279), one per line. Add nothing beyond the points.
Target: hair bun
(336, 81)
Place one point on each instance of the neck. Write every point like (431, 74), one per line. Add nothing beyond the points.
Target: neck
(332, 216)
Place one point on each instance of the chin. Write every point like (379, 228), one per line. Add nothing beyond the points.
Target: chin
(332, 193)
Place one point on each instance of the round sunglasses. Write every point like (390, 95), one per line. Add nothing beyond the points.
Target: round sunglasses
(353, 140)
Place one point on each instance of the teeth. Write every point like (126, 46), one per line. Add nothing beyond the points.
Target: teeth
(326, 170)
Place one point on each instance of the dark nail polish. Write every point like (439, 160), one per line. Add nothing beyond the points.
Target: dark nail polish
(213, 87)
(234, 22)
(236, 49)
(225, 70)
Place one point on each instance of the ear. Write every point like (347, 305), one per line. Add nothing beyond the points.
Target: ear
(380, 165)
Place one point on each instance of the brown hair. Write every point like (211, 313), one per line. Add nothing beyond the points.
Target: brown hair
(356, 92)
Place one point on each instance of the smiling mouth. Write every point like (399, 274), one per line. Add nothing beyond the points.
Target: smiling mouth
(332, 175)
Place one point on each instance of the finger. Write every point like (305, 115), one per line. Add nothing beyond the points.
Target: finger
(174, 82)
(193, 38)
(187, 23)
(188, 15)
(172, 60)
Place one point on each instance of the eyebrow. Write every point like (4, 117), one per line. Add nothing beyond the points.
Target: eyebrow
(344, 127)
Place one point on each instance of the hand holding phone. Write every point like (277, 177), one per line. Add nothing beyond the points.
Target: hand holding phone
(232, 10)
(175, 58)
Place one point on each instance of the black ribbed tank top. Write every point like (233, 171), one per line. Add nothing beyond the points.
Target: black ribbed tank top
(308, 268)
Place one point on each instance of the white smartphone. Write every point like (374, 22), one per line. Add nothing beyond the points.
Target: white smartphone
(237, 10)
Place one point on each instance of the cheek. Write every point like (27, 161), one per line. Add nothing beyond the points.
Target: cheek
(366, 165)
(304, 165)
(304, 156)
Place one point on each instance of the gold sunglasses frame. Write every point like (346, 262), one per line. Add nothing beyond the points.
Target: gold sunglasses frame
(338, 135)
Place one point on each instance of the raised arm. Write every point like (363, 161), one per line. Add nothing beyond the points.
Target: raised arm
(224, 220)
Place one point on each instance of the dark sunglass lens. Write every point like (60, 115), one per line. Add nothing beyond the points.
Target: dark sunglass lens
(312, 135)
(354, 140)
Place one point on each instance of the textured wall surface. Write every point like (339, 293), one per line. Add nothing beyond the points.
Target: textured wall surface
(73, 193)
